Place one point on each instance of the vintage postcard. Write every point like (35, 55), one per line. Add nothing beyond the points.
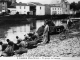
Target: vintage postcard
(40, 29)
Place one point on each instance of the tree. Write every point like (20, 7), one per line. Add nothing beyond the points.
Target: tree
(78, 5)
(73, 6)
(9, 4)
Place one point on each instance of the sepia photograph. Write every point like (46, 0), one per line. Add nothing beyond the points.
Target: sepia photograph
(40, 28)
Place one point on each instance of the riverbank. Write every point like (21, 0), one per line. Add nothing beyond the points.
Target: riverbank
(61, 45)
(18, 19)
(23, 18)
(58, 46)
(69, 47)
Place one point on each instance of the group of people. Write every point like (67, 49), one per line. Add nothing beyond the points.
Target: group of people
(30, 41)
(41, 36)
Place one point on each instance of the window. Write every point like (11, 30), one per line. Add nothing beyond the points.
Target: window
(55, 8)
(40, 7)
(66, 6)
(24, 11)
(20, 7)
(58, 8)
(24, 7)
(3, 8)
(62, 5)
(60, 12)
(3, 2)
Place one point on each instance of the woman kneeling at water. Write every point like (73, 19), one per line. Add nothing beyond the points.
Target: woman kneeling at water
(22, 47)
(9, 51)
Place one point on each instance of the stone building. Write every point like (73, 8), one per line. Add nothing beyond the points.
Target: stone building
(59, 8)
(3, 6)
(22, 8)
(32, 8)
(65, 7)
(35, 8)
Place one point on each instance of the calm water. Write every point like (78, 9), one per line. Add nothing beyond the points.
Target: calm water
(11, 31)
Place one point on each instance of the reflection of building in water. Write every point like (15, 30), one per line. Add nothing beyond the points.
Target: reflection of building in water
(58, 23)
(33, 25)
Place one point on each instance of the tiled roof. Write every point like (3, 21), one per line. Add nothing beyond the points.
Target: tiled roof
(21, 4)
(14, 4)
(35, 3)
(29, 4)
(67, 2)
(53, 5)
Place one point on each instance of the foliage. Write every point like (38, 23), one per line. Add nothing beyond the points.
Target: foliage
(9, 4)
(75, 6)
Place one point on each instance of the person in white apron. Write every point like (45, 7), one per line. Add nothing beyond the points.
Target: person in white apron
(46, 36)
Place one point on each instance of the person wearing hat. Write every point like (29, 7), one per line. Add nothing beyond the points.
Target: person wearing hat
(22, 47)
(10, 42)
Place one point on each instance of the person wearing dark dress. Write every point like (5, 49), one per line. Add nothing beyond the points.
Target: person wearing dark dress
(9, 51)
(40, 30)
(4, 46)
(22, 47)
(14, 45)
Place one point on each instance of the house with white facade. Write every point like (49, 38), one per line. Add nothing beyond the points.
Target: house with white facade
(40, 10)
(56, 9)
(37, 8)
(60, 8)
(22, 8)
(32, 8)
(65, 6)
(12, 11)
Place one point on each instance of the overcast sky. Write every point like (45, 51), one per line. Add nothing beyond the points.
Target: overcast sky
(44, 1)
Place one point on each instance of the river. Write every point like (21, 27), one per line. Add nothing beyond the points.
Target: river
(11, 31)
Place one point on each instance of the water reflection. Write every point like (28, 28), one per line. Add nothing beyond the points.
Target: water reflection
(17, 31)
(11, 31)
